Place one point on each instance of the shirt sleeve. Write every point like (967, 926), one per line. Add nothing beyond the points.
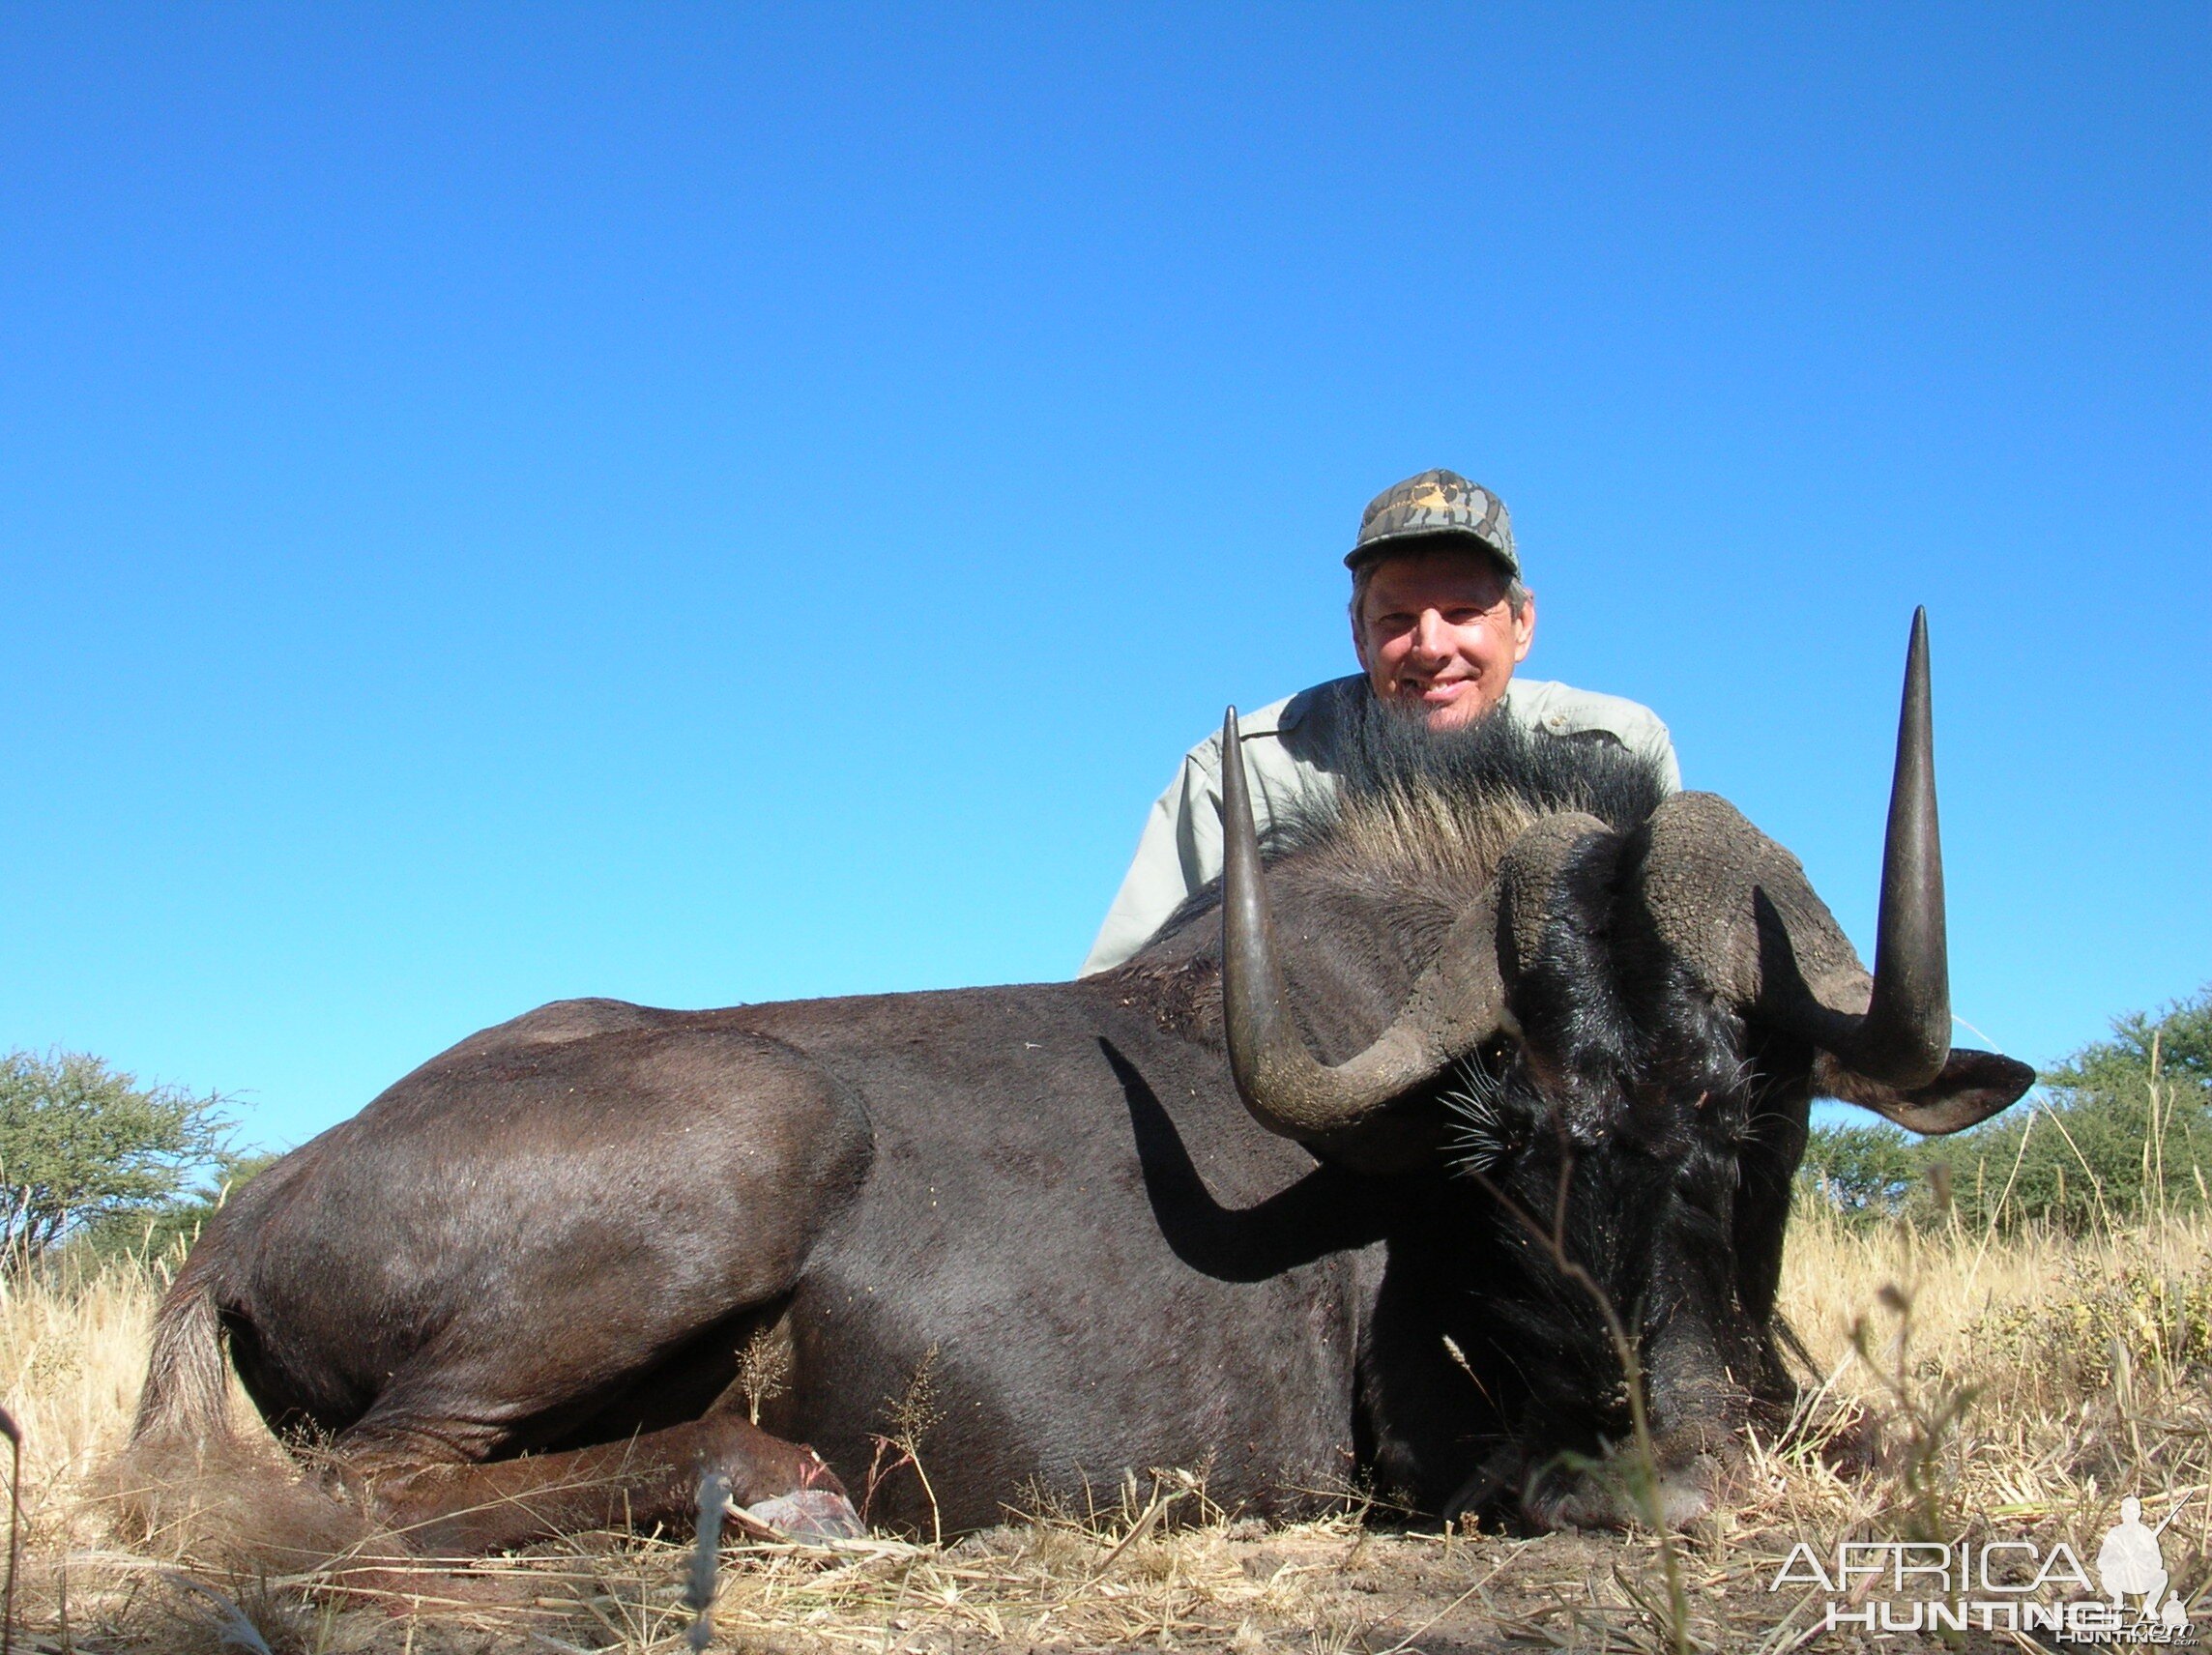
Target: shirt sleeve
(1563, 710)
(1659, 745)
(1178, 852)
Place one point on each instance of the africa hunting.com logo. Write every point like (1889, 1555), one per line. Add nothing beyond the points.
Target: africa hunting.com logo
(2002, 1585)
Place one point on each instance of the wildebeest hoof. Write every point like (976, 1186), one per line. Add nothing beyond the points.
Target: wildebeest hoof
(807, 1513)
(1687, 1492)
(1601, 1496)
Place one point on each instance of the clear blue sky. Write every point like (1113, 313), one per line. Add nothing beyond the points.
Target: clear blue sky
(716, 503)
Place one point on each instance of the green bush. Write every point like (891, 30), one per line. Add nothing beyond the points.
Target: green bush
(2160, 1325)
(1867, 1170)
(83, 1145)
(2120, 1127)
(168, 1231)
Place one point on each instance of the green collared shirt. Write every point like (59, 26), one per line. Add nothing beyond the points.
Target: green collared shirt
(1291, 762)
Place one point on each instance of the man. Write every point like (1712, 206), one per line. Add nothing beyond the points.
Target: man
(1439, 619)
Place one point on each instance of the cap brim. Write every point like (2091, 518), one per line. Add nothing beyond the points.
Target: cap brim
(1401, 539)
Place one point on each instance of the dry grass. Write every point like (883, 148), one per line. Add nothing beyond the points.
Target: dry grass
(2022, 1385)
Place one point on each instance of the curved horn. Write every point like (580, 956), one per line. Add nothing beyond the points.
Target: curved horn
(1286, 1088)
(1906, 1034)
(1739, 908)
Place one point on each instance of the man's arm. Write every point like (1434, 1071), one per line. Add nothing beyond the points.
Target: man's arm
(1659, 745)
(1178, 852)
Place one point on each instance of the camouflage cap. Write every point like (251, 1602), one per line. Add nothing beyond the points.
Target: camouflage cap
(1435, 503)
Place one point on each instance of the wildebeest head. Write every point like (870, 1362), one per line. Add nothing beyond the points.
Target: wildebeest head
(1632, 1021)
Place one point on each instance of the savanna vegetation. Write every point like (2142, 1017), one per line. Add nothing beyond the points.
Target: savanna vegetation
(86, 1150)
(2121, 1126)
(2002, 1334)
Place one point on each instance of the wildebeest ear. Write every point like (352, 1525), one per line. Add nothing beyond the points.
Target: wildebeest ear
(1973, 1086)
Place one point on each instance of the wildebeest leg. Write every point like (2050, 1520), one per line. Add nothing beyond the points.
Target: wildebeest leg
(460, 1507)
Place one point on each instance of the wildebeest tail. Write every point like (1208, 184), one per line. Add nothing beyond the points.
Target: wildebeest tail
(185, 1397)
(189, 1484)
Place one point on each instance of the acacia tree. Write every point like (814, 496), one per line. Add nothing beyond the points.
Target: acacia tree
(81, 1143)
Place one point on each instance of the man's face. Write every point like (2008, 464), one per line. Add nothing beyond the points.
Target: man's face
(1437, 637)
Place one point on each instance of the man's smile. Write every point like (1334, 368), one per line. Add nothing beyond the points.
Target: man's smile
(1436, 691)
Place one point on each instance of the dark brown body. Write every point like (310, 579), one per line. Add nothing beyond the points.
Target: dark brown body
(564, 1230)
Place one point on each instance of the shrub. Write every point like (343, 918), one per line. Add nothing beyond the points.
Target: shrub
(2157, 1321)
(167, 1231)
(2122, 1128)
(1864, 1171)
(83, 1145)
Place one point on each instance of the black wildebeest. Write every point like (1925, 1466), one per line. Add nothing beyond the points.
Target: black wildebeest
(1235, 1203)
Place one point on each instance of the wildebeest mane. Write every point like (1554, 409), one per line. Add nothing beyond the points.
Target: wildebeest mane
(1420, 818)
(1408, 794)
